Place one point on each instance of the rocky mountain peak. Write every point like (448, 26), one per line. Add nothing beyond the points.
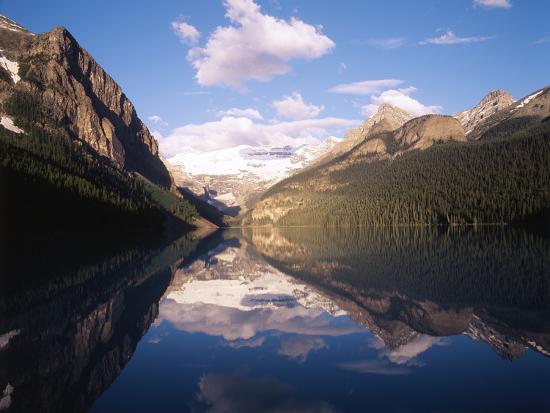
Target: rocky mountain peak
(80, 97)
(496, 95)
(492, 103)
(392, 116)
(8, 24)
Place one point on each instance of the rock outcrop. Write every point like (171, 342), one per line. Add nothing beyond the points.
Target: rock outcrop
(80, 98)
(388, 118)
(423, 132)
(534, 107)
(492, 103)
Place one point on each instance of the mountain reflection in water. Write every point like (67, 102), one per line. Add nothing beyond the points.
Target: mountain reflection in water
(290, 320)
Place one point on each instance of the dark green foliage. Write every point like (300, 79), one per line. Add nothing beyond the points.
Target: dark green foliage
(210, 212)
(26, 109)
(53, 187)
(487, 266)
(497, 180)
(170, 202)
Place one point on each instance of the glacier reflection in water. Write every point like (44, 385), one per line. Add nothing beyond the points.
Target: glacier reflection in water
(289, 320)
(277, 320)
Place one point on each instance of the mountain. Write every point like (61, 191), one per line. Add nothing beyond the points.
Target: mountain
(75, 156)
(386, 119)
(515, 117)
(231, 178)
(427, 172)
(387, 282)
(492, 103)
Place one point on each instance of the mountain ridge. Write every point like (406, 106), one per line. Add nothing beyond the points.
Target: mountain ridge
(433, 175)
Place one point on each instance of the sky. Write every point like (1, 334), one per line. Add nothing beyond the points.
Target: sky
(212, 74)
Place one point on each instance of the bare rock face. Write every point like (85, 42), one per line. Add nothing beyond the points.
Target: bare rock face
(423, 132)
(534, 106)
(82, 99)
(492, 103)
(388, 118)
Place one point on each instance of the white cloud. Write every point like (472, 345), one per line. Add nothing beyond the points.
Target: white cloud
(294, 107)
(543, 40)
(366, 87)
(388, 43)
(342, 67)
(380, 367)
(188, 34)
(157, 121)
(246, 113)
(408, 353)
(450, 38)
(298, 348)
(195, 93)
(400, 98)
(237, 325)
(501, 4)
(232, 131)
(255, 46)
(155, 118)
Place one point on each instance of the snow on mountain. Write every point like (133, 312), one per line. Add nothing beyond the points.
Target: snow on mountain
(8, 24)
(232, 176)
(12, 68)
(7, 123)
(489, 105)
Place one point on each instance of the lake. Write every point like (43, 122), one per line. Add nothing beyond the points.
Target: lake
(284, 320)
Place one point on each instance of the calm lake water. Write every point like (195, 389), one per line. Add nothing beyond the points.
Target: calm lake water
(286, 320)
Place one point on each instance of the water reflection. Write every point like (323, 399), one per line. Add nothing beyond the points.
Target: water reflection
(66, 339)
(491, 284)
(290, 320)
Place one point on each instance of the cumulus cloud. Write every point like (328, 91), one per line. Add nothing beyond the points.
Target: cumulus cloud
(246, 113)
(365, 87)
(400, 98)
(155, 118)
(450, 38)
(187, 33)
(157, 121)
(387, 43)
(236, 325)
(231, 131)
(294, 107)
(298, 348)
(492, 4)
(408, 353)
(255, 46)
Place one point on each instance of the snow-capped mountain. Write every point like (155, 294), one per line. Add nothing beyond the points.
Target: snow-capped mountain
(231, 177)
(489, 105)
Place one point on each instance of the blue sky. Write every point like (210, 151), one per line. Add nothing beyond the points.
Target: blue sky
(196, 64)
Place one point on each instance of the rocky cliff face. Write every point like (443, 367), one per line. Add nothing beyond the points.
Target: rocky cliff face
(423, 132)
(80, 98)
(388, 118)
(534, 107)
(492, 103)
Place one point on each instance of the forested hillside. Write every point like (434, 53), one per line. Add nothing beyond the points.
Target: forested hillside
(52, 187)
(502, 178)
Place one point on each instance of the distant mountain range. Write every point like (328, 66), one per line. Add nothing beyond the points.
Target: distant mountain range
(231, 178)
